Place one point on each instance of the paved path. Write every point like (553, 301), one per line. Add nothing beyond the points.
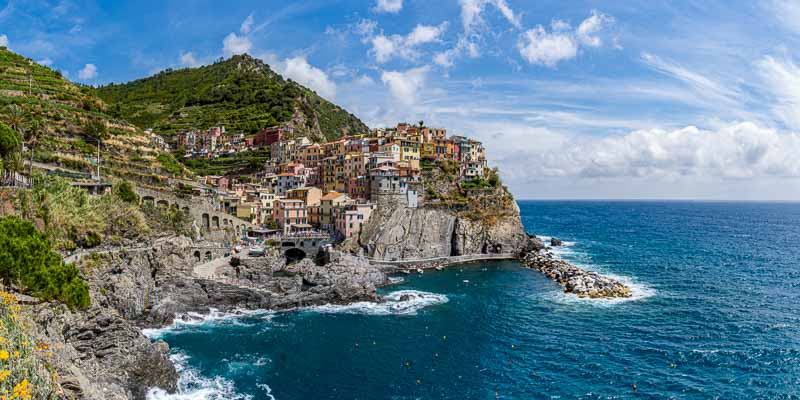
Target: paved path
(209, 269)
(447, 260)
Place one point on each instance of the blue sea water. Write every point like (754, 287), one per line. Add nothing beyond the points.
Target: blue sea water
(716, 314)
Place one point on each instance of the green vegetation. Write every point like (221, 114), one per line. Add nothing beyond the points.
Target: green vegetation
(124, 190)
(9, 144)
(27, 261)
(241, 93)
(170, 164)
(57, 118)
(71, 218)
(168, 219)
(239, 163)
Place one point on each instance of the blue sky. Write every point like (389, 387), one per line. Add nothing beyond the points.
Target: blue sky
(574, 99)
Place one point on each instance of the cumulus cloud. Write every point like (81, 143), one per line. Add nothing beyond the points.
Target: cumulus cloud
(3, 41)
(88, 72)
(589, 28)
(300, 70)
(540, 47)
(472, 10)
(388, 6)
(235, 44)
(187, 59)
(247, 24)
(737, 151)
(782, 80)
(787, 12)
(405, 85)
(384, 48)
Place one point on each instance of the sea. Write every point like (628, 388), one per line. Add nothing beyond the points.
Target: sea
(715, 315)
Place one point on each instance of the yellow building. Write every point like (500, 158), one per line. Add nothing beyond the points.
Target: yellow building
(410, 151)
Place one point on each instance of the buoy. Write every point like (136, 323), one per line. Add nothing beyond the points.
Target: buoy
(634, 387)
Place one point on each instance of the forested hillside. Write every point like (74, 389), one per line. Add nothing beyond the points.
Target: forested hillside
(241, 93)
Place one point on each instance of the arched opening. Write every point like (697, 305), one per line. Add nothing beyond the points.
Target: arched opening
(186, 210)
(206, 221)
(215, 221)
(225, 222)
(197, 255)
(294, 254)
(148, 200)
(208, 256)
(163, 204)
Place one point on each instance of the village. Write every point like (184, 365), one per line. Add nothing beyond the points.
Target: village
(327, 190)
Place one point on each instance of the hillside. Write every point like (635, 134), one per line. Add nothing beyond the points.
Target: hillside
(241, 93)
(71, 117)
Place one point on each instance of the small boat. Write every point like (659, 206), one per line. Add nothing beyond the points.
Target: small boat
(420, 270)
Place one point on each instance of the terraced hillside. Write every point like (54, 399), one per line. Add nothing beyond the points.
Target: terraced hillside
(71, 118)
(242, 93)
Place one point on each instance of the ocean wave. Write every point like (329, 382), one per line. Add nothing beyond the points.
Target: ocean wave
(214, 316)
(401, 302)
(639, 290)
(193, 386)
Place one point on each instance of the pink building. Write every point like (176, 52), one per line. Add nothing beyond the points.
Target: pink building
(349, 218)
(290, 214)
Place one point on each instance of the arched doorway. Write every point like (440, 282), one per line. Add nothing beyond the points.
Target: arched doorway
(197, 255)
(206, 221)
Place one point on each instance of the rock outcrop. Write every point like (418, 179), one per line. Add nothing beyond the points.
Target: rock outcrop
(101, 353)
(397, 232)
(575, 280)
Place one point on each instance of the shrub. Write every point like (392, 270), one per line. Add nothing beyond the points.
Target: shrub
(27, 260)
(124, 190)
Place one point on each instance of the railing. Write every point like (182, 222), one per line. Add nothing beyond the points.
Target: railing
(447, 259)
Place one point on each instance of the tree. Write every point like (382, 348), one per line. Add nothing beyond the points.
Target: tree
(95, 128)
(32, 135)
(28, 261)
(125, 192)
(15, 117)
(9, 147)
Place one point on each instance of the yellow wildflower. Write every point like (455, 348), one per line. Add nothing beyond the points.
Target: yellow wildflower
(4, 374)
(4, 355)
(16, 354)
(21, 391)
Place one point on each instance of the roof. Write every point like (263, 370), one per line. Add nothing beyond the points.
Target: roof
(332, 195)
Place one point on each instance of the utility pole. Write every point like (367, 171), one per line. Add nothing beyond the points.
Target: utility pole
(98, 159)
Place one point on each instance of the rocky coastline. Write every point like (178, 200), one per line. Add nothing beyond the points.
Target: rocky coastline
(574, 280)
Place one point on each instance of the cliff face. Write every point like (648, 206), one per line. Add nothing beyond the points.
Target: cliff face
(396, 232)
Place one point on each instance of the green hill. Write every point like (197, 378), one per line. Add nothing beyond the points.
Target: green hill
(241, 93)
(71, 115)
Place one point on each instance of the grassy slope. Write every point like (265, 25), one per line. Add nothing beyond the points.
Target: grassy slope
(241, 93)
(65, 107)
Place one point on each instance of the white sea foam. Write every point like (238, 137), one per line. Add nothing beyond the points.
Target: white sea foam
(639, 291)
(193, 386)
(394, 280)
(214, 316)
(401, 302)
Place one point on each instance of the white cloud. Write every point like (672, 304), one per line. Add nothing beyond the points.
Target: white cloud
(45, 61)
(540, 47)
(3, 41)
(88, 72)
(300, 70)
(738, 151)
(187, 59)
(405, 85)
(247, 24)
(388, 6)
(591, 26)
(782, 80)
(472, 10)
(235, 44)
(384, 48)
(703, 85)
(447, 58)
(365, 28)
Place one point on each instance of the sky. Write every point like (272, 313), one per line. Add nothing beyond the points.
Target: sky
(581, 99)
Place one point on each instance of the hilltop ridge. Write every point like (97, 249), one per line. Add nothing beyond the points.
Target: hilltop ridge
(242, 93)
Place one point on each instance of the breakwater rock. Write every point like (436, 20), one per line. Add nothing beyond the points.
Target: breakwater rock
(575, 280)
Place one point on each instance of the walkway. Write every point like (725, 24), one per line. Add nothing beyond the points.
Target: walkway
(209, 270)
(447, 260)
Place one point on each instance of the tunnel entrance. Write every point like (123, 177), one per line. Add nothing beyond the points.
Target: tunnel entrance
(294, 255)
